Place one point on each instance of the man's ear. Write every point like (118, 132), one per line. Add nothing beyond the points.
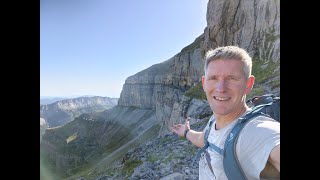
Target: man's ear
(202, 80)
(250, 84)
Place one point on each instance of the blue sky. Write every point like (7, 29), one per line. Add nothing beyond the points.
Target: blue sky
(90, 47)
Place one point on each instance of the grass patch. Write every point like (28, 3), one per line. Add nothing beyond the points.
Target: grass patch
(171, 157)
(164, 140)
(196, 92)
(275, 84)
(267, 45)
(152, 158)
(183, 138)
(129, 165)
(263, 70)
(256, 91)
(72, 137)
(191, 150)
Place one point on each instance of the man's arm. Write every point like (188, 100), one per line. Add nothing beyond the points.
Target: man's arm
(195, 137)
(274, 157)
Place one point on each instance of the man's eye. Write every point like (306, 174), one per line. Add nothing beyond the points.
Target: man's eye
(231, 78)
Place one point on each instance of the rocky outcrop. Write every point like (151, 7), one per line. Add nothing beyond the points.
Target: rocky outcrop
(164, 158)
(62, 112)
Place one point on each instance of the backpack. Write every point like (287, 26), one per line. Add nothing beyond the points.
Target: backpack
(265, 105)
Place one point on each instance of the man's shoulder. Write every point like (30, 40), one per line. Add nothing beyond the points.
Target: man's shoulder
(260, 132)
(261, 119)
(261, 124)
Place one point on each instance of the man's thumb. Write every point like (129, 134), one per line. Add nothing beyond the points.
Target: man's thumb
(187, 120)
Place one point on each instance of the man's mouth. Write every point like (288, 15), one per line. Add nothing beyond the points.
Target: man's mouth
(221, 98)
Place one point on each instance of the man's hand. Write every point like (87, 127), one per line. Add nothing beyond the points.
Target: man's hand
(179, 129)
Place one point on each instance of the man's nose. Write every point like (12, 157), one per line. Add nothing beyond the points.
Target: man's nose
(221, 86)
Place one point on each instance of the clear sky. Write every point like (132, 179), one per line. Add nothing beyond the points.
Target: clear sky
(90, 47)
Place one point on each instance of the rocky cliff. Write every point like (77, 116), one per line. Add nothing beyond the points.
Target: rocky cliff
(167, 92)
(64, 111)
(253, 25)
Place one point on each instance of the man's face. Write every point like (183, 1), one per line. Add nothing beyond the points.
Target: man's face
(226, 85)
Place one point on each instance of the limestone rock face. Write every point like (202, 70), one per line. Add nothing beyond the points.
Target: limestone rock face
(161, 85)
(253, 25)
(170, 77)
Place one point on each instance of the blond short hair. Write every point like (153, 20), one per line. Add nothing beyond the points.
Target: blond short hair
(229, 53)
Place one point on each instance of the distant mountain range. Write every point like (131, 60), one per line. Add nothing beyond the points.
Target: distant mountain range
(64, 111)
(52, 99)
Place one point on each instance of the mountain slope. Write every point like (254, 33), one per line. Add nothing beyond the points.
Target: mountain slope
(91, 136)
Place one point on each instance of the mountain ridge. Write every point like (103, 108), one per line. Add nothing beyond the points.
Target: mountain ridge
(64, 111)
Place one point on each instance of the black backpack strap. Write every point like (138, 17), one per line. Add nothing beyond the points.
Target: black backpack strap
(264, 99)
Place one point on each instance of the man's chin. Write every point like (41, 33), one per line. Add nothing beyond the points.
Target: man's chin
(221, 112)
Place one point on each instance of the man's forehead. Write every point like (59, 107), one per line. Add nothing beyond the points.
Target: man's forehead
(232, 67)
(227, 64)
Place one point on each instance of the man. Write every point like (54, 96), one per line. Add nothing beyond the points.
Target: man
(226, 82)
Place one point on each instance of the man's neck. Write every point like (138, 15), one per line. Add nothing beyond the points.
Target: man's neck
(223, 121)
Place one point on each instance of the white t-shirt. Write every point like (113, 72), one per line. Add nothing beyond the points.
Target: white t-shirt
(255, 142)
